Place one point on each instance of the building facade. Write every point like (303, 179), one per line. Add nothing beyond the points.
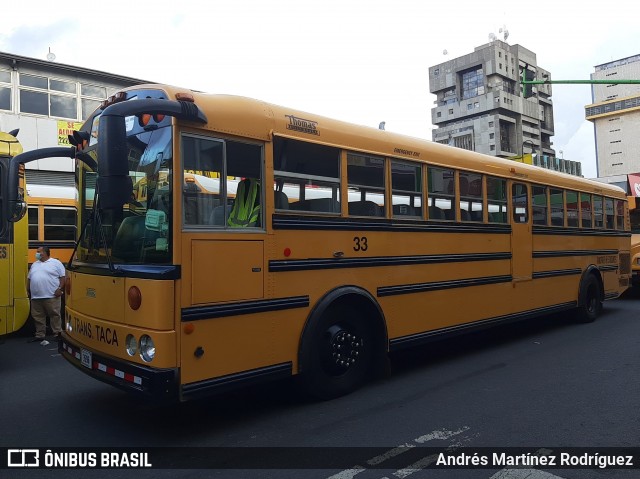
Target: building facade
(482, 105)
(46, 101)
(615, 113)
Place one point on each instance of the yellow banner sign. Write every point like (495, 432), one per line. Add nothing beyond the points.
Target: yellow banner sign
(65, 128)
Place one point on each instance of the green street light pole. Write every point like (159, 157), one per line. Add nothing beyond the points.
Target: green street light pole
(580, 82)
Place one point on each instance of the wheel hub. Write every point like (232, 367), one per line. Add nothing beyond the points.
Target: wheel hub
(345, 348)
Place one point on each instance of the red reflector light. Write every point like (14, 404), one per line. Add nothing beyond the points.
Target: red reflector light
(158, 117)
(144, 119)
(135, 297)
(67, 285)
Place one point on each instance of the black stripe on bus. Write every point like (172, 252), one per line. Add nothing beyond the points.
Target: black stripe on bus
(561, 253)
(33, 244)
(332, 263)
(440, 285)
(142, 271)
(288, 222)
(196, 313)
(555, 230)
(557, 272)
(232, 381)
(609, 267)
(420, 338)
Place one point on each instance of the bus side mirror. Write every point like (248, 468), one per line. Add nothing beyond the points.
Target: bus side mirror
(114, 191)
(17, 210)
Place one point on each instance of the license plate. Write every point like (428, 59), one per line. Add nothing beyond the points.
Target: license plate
(85, 358)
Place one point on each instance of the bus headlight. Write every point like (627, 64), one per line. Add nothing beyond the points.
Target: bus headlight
(131, 344)
(147, 348)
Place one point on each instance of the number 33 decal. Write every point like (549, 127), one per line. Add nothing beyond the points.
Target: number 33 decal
(360, 243)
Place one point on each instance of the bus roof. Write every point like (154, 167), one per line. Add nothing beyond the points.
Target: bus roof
(246, 117)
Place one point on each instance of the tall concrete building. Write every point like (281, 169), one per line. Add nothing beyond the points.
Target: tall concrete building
(615, 113)
(46, 101)
(482, 106)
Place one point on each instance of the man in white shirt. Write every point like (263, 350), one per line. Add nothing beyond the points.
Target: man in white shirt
(45, 285)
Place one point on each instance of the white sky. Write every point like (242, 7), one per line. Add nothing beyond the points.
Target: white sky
(363, 61)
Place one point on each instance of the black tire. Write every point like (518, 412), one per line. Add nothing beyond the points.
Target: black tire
(590, 300)
(338, 353)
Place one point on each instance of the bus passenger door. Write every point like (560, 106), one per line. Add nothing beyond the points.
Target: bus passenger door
(521, 234)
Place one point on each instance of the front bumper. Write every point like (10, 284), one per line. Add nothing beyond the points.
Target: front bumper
(157, 384)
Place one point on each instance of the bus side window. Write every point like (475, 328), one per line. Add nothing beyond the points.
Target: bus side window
(497, 200)
(306, 177)
(441, 190)
(520, 202)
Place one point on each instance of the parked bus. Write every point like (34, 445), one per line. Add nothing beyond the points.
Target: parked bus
(14, 303)
(52, 220)
(319, 247)
(634, 217)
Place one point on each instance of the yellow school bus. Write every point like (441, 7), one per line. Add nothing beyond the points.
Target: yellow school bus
(634, 217)
(14, 303)
(52, 219)
(317, 247)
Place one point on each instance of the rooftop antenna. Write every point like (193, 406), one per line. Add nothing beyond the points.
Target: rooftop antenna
(381, 125)
(51, 56)
(505, 32)
(445, 52)
(492, 37)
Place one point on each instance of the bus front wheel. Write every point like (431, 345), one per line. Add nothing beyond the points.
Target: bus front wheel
(590, 304)
(338, 353)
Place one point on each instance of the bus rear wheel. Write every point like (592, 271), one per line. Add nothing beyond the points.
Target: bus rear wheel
(590, 300)
(337, 354)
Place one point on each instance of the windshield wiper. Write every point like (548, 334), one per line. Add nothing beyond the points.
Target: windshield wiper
(104, 241)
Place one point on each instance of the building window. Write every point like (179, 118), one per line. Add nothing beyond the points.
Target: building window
(450, 111)
(449, 96)
(63, 86)
(490, 124)
(34, 102)
(53, 97)
(491, 136)
(5, 90)
(64, 106)
(33, 81)
(439, 114)
(91, 97)
(492, 147)
(5, 98)
(472, 83)
(464, 141)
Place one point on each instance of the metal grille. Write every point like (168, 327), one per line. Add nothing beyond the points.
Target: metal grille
(625, 263)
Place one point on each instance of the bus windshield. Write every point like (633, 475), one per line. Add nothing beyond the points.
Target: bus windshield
(140, 231)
